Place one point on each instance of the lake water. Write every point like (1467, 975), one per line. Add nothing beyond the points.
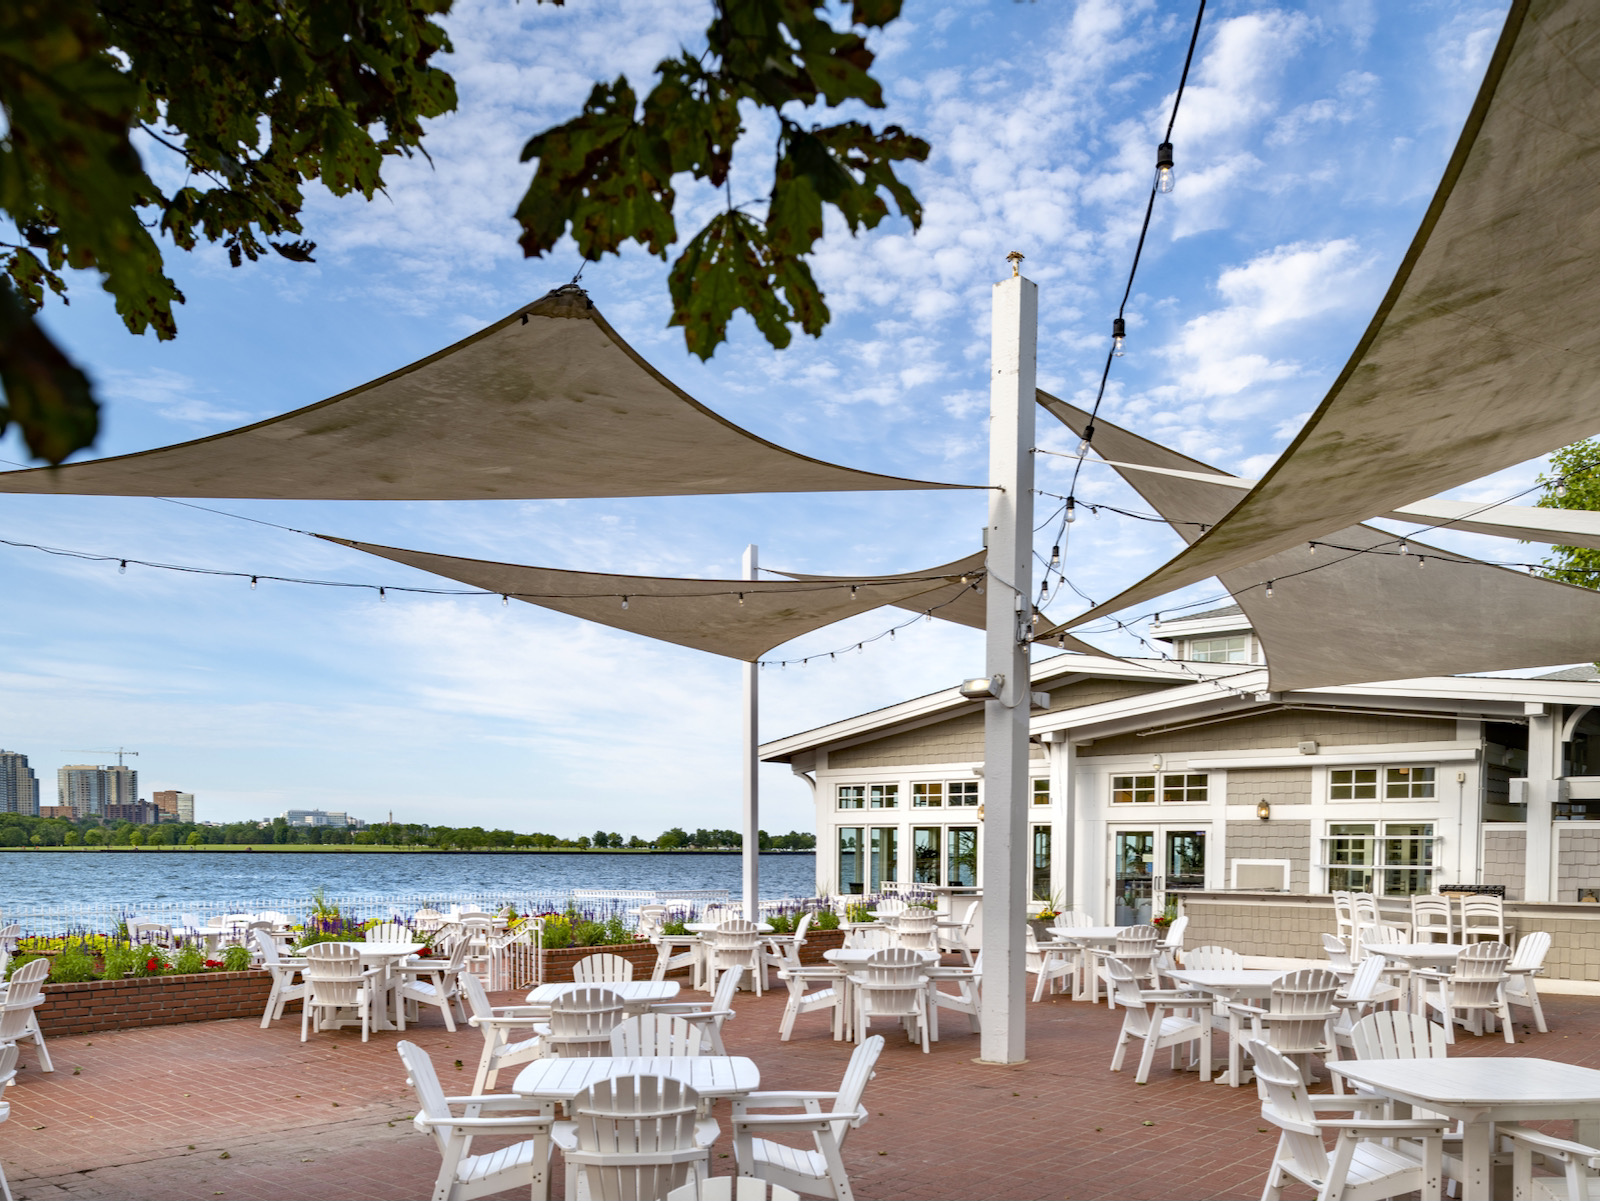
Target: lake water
(41, 881)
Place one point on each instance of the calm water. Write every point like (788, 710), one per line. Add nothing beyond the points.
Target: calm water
(40, 880)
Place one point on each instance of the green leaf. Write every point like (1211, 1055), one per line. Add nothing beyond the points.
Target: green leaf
(46, 395)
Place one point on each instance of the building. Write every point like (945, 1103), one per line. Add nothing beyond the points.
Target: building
(1155, 779)
(19, 786)
(320, 817)
(88, 791)
(61, 811)
(175, 806)
(142, 813)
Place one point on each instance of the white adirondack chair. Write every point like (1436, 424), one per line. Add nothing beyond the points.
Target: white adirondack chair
(1344, 918)
(817, 1172)
(916, 929)
(434, 982)
(1052, 964)
(1295, 1021)
(1483, 918)
(1477, 987)
(968, 1001)
(1136, 947)
(708, 1017)
(957, 939)
(283, 972)
(634, 1137)
(511, 1033)
(18, 1019)
(602, 969)
(1213, 959)
(336, 980)
(732, 1188)
(1398, 1034)
(796, 976)
(655, 1036)
(1528, 962)
(873, 937)
(892, 984)
(1071, 919)
(1578, 1166)
(1380, 935)
(8, 1074)
(735, 943)
(462, 1176)
(1159, 1018)
(581, 1022)
(1365, 992)
(1337, 952)
(389, 932)
(1363, 1166)
(651, 919)
(1170, 949)
(153, 934)
(1432, 919)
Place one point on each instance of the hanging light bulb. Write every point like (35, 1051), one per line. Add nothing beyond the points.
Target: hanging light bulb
(1422, 561)
(1055, 556)
(741, 599)
(1044, 590)
(928, 617)
(858, 648)
(624, 602)
(1164, 173)
(891, 633)
(1072, 509)
(1561, 488)
(1119, 334)
(852, 592)
(252, 583)
(382, 595)
(1088, 437)
(504, 600)
(1269, 589)
(1311, 548)
(122, 567)
(1404, 550)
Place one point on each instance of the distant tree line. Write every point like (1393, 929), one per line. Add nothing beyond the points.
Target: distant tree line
(17, 831)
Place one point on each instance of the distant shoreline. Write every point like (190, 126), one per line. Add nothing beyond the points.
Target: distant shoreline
(272, 848)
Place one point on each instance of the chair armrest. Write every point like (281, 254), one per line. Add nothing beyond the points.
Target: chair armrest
(1240, 1007)
(525, 1124)
(1173, 994)
(1546, 1142)
(495, 1101)
(528, 1022)
(765, 1100)
(707, 1013)
(1432, 973)
(799, 1121)
(1388, 1126)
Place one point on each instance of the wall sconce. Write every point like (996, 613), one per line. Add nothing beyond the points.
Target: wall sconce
(1263, 810)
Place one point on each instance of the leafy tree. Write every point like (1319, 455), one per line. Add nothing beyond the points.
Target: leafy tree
(254, 98)
(1575, 484)
(195, 838)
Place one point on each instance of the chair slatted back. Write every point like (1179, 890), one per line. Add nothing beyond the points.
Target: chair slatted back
(1338, 954)
(856, 1074)
(655, 1035)
(603, 969)
(891, 980)
(1380, 935)
(26, 985)
(1398, 1034)
(801, 929)
(270, 957)
(477, 998)
(153, 933)
(1365, 982)
(430, 1095)
(1531, 950)
(735, 935)
(333, 970)
(1308, 995)
(389, 932)
(1176, 932)
(869, 938)
(1364, 909)
(1136, 946)
(1072, 919)
(1213, 959)
(916, 928)
(651, 919)
(890, 908)
(582, 1020)
(1343, 914)
(1430, 917)
(1480, 968)
(636, 1136)
(1284, 1103)
(1483, 917)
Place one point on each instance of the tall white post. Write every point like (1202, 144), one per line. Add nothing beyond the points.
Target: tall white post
(1008, 599)
(1544, 768)
(752, 766)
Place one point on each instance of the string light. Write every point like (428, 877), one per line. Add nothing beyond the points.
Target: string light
(741, 600)
(1269, 589)
(1072, 510)
(382, 595)
(852, 592)
(1119, 335)
(122, 567)
(1165, 180)
(252, 583)
(504, 600)
(1055, 556)
(624, 602)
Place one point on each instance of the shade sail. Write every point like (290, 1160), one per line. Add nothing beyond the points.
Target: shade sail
(1485, 351)
(1342, 617)
(548, 403)
(706, 615)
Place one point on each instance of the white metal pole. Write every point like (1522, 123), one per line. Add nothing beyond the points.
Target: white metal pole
(752, 766)
(1008, 599)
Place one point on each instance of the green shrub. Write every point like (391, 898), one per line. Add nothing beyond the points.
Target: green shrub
(17, 961)
(677, 926)
(588, 934)
(73, 966)
(119, 960)
(617, 929)
(150, 961)
(860, 913)
(236, 959)
(827, 919)
(189, 960)
(557, 932)
(781, 923)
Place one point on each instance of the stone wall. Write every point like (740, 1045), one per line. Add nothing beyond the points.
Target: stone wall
(1279, 785)
(1579, 862)
(1505, 853)
(1273, 839)
(96, 1005)
(1285, 728)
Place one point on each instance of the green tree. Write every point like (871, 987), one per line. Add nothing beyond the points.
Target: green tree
(94, 837)
(136, 838)
(71, 839)
(674, 837)
(583, 842)
(255, 98)
(195, 839)
(1573, 484)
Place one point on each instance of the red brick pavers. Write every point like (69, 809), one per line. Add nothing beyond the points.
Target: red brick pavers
(150, 1113)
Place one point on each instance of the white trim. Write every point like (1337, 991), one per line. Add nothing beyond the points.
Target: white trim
(1421, 753)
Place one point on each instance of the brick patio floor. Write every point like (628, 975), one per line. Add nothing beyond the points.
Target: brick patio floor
(225, 1109)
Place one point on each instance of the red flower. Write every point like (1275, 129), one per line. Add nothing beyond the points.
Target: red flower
(152, 965)
(213, 963)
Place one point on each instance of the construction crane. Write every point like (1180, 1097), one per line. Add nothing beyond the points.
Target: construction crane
(79, 750)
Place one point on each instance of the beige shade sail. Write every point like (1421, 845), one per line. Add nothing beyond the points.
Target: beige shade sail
(549, 403)
(742, 619)
(1338, 616)
(1485, 351)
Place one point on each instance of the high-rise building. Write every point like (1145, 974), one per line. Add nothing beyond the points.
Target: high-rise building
(174, 806)
(87, 790)
(19, 787)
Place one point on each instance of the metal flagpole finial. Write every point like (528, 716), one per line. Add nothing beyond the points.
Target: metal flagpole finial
(1015, 259)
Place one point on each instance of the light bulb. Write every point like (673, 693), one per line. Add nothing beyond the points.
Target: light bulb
(1044, 590)
(891, 634)
(1165, 180)
(504, 600)
(928, 617)
(1083, 447)
(1072, 510)
(1269, 589)
(122, 568)
(1403, 549)
(1561, 488)
(252, 583)
(382, 595)
(1422, 560)
(1055, 556)
(1119, 334)
(978, 590)
(858, 648)
(1311, 548)
(852, 592)
(624, 602)
(741, 599)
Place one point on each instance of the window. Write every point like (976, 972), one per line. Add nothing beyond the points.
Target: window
(1041, 792)
(1399, 856)
(1138, 789)
(885, 796)
(1186, 859)
(1175, 789)
(1182, 788)
(1353, 784)
(884, 850)
(1041, 863)
(850, 796)
(1413, 783)
(850, 865)
(962, 792)
(1350, 854)
(962, 851)
(925, 854)
(1235, 649)
(927, 796)
(1407, 857)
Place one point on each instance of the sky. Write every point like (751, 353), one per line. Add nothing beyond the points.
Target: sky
(1309, 141)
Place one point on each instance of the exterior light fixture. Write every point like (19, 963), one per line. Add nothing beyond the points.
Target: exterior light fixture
(984, 688)
(1164, 174)
(1269, 589)
(1072, 508)
(1263, 809)
(1119, 335)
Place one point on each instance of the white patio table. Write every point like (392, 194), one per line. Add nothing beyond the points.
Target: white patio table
(1413, 955)
(1092, 940)
(637, 995)
(854, 957)
(1230, 985)
(704, 928)
(384, 955)
(1481, 1091)
(714, 1077)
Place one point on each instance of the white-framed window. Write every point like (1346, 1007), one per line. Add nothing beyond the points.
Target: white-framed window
(1172, 788)
(852, 796)
(1233, 649)
(927, 796)
(883, 796)
(1395, 859)
(961, 792)
(1387, 783)
(1041, 796)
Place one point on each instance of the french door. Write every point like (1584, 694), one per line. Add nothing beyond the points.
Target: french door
(1147, 863)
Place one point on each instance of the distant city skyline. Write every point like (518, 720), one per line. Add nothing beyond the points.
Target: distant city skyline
(19, 784)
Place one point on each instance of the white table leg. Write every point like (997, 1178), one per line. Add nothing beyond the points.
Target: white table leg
(1475, 1161)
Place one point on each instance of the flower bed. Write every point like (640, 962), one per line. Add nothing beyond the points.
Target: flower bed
(558, 961)
(93, 1006)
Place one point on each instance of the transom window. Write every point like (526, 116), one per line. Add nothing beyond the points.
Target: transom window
(1234, 649)
(1041, 795)
(884, 796)
(851, 796)
(1398, 783)
(1175, 788)
(927, 796)
(962, 792)
(1408, 782)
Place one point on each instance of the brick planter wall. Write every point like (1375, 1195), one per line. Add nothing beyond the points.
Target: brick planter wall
(97, 1005)
(818, 941)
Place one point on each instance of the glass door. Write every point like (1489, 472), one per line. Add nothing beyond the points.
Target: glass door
(1186, 860)
(1133, 856)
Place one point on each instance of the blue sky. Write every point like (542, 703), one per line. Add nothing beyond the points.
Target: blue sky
(1308, 144)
